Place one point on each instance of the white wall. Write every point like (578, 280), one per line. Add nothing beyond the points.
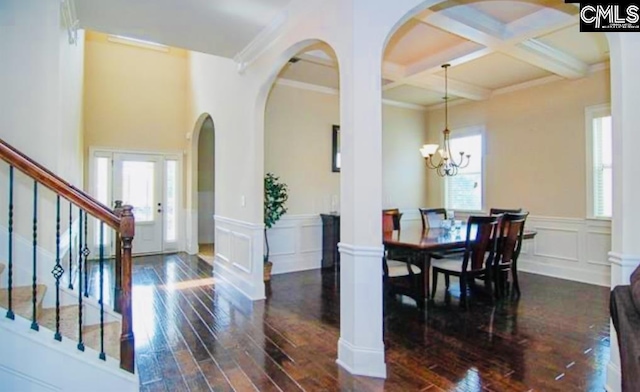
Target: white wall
(67, 369)
(41, 79)
(535, 145)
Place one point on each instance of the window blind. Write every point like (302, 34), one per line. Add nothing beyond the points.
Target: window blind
(464, 191)
(602, 167)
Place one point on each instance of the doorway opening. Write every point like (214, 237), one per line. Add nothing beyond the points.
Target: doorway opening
(206, 190)
(148, 181)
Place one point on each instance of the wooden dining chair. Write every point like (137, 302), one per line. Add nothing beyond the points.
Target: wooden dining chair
(477, 260)
(400, 274)
(498, 211)
(396, 216)
(432, 217)
(511, 235)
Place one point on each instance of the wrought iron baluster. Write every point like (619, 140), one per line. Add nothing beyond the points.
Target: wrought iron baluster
(70, 246)
(80, 342)
(34, 287)
(10, 313)
(102, 354)
(86, 252)
(58, 271)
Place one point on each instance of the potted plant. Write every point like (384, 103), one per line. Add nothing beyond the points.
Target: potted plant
(275, 197)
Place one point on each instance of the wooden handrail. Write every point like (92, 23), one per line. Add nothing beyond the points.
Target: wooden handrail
(121, 219)
(45, 177)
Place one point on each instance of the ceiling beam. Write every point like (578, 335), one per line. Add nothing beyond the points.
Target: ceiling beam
(514, 39)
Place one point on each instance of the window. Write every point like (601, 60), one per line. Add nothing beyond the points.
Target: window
(599, 161)
(171, 203)
(464, 191)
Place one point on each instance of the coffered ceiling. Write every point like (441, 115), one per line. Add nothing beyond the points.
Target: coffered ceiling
(492, 46)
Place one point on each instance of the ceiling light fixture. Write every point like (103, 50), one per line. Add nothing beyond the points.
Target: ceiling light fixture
(446, 165)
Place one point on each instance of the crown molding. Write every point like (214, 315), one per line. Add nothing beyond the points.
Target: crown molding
(307, 86)
(268, 35)
(334, 91)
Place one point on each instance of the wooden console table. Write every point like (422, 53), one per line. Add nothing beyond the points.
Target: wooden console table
(330, 239)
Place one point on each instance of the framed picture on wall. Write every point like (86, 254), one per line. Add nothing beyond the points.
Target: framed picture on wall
(335, 151)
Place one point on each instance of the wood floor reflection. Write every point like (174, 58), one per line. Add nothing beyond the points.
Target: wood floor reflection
(193, 334)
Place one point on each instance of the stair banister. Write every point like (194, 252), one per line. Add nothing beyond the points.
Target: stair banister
(45, 177)
(121, 219)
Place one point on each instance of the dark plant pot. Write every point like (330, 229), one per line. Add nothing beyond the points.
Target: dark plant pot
(267, 271)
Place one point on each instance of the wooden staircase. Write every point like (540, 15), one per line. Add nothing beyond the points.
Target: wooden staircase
(72, 317)
(69, 318)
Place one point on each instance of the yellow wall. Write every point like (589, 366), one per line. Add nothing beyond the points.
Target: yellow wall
(135, 98)
(535, 145)
(298, 146)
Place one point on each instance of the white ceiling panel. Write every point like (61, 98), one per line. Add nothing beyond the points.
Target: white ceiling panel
(591, 48)
(495, 71)
(506, 11)
(312, 73)
(416, 40)
(222, 27)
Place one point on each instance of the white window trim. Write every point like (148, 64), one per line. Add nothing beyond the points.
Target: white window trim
(96, 151)
(469, 131)
(590, 113)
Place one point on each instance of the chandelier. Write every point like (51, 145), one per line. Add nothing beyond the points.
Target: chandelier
(446, 164)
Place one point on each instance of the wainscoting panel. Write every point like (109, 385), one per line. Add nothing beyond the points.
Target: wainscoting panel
(296, 243)
(238, 256)
(241, 251)
(557, 243)
(567, 248)
(223, 244)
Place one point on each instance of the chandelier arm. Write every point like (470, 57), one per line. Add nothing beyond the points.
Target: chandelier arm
(464, 163)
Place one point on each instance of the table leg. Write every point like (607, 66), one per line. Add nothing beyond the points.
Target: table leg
(426, 273)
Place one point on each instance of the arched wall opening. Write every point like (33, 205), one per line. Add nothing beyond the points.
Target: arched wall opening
(301, 147)
(206, 190)
(201, 189)
(602, 83)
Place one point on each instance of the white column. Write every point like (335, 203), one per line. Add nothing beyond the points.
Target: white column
(625, 225)
(360, 348)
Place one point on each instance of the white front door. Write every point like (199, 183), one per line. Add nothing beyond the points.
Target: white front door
(138, 181)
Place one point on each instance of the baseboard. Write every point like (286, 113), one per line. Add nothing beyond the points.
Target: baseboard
(560, 272)
(361, 361)
(614, 378)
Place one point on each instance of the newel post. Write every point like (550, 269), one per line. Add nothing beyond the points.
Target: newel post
(127, 348)
(117, 210)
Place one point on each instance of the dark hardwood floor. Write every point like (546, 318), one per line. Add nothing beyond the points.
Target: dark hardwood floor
(194, 335)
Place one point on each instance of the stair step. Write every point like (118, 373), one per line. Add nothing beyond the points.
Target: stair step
(91, 337)
(21, 298)
(90, 333)
(68, 320)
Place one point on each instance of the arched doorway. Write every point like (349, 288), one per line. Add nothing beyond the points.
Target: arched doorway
(620, 262)
(200, 187)
(302, 109)
(206, 190)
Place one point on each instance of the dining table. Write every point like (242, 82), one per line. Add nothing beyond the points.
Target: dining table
(421, 243)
